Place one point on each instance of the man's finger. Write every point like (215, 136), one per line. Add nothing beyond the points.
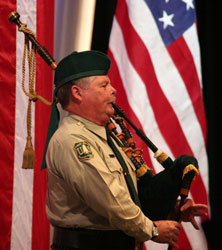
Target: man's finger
(194, 223)
(196, 206)
(173, 244)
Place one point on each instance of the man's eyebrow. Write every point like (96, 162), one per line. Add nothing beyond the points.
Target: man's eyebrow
(105, 81)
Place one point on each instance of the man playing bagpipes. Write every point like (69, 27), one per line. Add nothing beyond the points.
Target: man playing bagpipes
(101, 195)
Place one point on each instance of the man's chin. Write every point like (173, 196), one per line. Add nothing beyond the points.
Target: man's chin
(110, 113)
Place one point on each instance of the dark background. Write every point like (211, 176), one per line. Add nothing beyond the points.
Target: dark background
(209, 32)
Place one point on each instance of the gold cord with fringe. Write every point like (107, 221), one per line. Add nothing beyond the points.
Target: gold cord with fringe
(29, 153)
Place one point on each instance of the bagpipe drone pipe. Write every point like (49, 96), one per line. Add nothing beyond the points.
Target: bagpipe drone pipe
(158, 193)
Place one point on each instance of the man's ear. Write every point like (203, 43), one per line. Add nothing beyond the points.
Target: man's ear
(76, 93)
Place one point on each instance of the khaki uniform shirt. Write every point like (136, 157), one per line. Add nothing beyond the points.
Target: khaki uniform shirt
(86, 185)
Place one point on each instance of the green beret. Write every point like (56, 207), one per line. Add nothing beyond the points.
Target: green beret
(81, 64)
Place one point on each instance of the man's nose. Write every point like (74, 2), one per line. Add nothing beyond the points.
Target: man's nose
(113, 90)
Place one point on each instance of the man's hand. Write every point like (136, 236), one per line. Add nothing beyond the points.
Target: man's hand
(168, 232)
(189, 210)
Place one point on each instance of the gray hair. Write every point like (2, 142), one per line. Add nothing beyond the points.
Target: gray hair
(64, 92)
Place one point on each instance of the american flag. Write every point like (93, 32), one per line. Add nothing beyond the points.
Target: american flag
(23, 221)
(166, 102)
(156, 70)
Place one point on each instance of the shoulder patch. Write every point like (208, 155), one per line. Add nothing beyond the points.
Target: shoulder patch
(83, 151)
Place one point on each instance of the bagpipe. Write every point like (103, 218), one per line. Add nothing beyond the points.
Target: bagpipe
(158, 193)
(14, 18)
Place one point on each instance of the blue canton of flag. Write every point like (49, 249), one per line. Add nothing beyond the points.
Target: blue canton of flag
(173, 17)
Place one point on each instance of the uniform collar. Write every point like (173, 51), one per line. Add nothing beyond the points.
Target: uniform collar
(93, 127)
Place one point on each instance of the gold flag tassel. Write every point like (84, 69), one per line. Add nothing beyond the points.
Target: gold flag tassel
(29, 153)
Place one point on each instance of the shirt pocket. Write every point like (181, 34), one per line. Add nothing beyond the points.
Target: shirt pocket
(113, 164)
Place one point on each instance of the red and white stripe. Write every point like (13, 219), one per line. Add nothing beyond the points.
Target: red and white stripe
(174, 121)
(22, 198)
(161, 95)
